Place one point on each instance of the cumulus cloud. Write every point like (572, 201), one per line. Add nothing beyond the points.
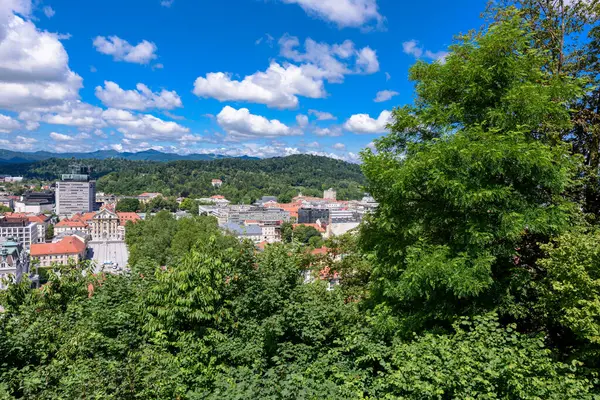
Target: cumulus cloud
(331, 131)
(60, 137)
(301, 120)
(344, 13)
(322, 116)
(34, 68)
(143, 126)
(20, 143)
(363, 123)
(8, 124)
(122, 50)
(412, 48)
(86, 116)
(241, 124)
(281, 84)
(339, 146)
(330, 62)
(277, 87)
(141, 99)
(385, 95)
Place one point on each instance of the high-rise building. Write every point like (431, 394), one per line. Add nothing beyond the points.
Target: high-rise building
(75, 192)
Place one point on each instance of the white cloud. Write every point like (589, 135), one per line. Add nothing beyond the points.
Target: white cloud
(322, 116)
(412, 48)
(167, 3)
(331, 131)
(49, 11)
(387, 76)
(8, 124)
(281, 84)
(121, 50)
(339, 146)
(34, 68)
(241, 124)
(277, 87)
(331, 62)
(385, 95)
(301, 120)
(141, 99)
(32, 125)
(344, 13)
(158, 66)
(367, 61)
(313, 145)
(20, 143)
(60, 137)
(363, 123)
(143, 126)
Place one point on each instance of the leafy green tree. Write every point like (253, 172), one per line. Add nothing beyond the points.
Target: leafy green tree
(189, 205)
(49, 232)
(481, 359)
(5, 209)
(570, 292)
(287, 230)
(303, 233)
(128, 205)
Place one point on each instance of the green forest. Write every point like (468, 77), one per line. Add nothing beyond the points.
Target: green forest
(244, 180)
(478, 277)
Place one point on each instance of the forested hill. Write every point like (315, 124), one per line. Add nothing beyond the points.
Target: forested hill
(243, 179)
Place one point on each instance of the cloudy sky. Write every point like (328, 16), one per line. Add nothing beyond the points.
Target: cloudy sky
(256, 77)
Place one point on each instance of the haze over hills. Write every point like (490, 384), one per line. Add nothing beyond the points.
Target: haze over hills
(15, 157)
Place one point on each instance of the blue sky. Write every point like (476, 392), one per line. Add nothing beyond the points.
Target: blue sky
(257, 77)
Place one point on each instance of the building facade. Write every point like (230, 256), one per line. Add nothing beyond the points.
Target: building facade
(310, 215)
(14, 262)
(74, 197)
(71, 248)
(105, 226)
(20, 229)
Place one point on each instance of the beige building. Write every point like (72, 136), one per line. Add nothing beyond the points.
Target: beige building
(106, 226)
(70, 248)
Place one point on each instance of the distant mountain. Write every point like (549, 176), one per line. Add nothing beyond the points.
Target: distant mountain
(15, 157)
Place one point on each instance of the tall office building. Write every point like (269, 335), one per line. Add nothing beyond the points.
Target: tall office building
(75, 192)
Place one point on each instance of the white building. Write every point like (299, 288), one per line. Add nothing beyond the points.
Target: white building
(33, 208)
(20, 229)
(330, 194)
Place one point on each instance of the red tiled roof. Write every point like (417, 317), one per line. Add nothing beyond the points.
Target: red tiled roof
(69, 245)
(40, 219)
(69, 223)
(84, 217)
(127, 216)
(217, 196)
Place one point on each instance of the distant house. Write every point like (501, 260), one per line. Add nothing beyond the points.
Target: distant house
(146, 197)
(216, 183)
(48, 254)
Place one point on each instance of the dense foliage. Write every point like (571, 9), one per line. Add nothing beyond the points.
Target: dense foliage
(244, 180)
(478, 277)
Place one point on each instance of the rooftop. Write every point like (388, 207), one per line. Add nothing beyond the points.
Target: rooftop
(69, 245)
